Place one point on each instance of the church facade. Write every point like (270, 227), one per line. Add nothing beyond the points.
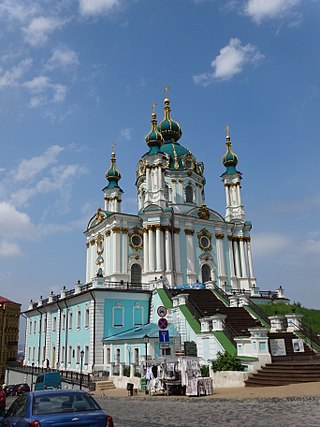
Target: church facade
(174, 234)
(174, 240)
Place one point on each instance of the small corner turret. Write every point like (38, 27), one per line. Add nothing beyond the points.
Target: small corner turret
(231, 179)
(112, 192)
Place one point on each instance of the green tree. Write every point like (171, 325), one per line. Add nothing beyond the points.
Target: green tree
(227, 362)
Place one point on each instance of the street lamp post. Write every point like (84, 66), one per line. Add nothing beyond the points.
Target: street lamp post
(81, 367)
(32, 369)
(146, 341)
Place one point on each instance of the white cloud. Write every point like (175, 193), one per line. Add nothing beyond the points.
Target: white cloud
(260, 10)
(126, 133)
(9, 249)
(231, 61)
(97, 7)
(28, 169)
(62, 58)
(18, 10)
(44, 91)
(39, 29)
(11, 77)
(269, 244)
(14, 223)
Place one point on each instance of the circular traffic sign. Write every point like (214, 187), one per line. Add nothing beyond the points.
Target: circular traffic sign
(163, 323)
(162, 311)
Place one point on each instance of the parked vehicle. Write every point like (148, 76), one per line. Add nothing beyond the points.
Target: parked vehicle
(9, 390)
(48, 381)
(56, 408)
(21, 388)
(2, 401)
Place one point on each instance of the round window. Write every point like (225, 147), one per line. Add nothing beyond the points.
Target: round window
(204, 242)
(136, 240)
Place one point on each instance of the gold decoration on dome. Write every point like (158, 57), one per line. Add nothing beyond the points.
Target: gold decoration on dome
(176, 163)
(100, 247)
(203, 212)
(99, 216)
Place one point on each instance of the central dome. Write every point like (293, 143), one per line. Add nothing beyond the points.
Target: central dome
(169, 129)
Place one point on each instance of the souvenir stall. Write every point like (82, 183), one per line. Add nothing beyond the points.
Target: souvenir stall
(177, 376)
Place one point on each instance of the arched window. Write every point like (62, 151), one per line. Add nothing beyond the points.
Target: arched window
(189, 194)
(136, 274)
(206, 273)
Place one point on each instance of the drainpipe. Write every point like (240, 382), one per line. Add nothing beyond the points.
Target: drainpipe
(174, 272)
(40, 333)
(94, 330)
(66, 336)
(59, 335)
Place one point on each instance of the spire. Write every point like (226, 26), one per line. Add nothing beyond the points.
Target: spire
(170, 130)
(230, 159)
(112, 174)
(154, 138)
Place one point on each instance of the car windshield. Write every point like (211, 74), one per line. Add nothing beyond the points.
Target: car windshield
(58, 403)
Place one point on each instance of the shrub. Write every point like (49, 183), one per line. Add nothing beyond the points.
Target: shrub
(204, 370)
(227, 362)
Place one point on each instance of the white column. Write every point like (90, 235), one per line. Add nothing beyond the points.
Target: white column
(107, 257)
(159, 254)
(147, 179)
(243, 258)
(190, 251)
(124, 251)
(231, 258)
(151, 249)
(92, 259)
(116, 250)
(239, 194)
(226, 187)
(251, 274)
(177, 250)
(145, 250)
(168, 251)
(236, 256)
(88, 275)
(220, 255)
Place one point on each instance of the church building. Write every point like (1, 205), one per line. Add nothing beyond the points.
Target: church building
(174, 241)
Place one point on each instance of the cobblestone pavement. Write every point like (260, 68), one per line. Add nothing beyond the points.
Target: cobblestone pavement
(175, 412)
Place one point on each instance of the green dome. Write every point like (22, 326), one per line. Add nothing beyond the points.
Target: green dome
(230, 160)
(154, 137)
(176, 152)
(170, 130)
(112, 174)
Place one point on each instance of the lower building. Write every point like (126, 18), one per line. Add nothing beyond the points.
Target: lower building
(9, 334)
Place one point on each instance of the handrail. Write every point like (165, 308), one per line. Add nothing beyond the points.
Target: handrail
(222, 293)
(308, 333)
(259, 312)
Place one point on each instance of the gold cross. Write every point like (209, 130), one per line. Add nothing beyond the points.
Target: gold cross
(113, 146)
(154, 105)
(227, 129)
(166, 90)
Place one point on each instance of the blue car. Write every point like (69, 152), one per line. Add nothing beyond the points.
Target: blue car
(56, 408)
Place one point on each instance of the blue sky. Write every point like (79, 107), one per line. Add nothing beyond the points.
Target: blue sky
(79, 75)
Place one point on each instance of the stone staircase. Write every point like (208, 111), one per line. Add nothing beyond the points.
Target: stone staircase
(203, 302)
(285, 373)
(102, 387)
(289, 368)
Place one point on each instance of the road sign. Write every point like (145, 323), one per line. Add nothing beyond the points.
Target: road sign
(162, 311)
(164, 336)
(163, 323)
(164, 345)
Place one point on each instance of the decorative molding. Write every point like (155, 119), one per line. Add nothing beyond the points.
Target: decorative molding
(92, 242)
(116, 229)
(107, 233)
(189, 232)
(124, 230)
(219, 236)
(203, 212)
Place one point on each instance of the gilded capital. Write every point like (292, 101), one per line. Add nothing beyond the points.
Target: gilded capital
(189, 232)
(219, 236)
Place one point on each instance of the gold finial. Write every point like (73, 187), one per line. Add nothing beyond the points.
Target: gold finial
(166, 90)
(227, 129)
(113, 155)
(154, 106)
